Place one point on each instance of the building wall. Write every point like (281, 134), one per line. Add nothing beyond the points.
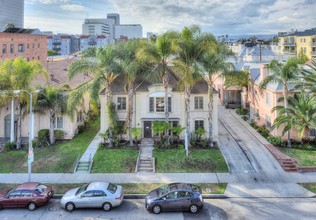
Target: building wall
(98, 27)
(130, 31)
(306, 45)
(35, 46)
(11, 11)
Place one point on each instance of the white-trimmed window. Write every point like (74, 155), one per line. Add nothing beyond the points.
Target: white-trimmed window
(121, 103)
(198, 124)
(157, 104)
(198, 103)
(312, 133)
(268, 122)
(59, 122)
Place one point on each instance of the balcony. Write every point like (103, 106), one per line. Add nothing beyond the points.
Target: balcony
(313, 53)
(56, 43)
(92, 43)
(57, 48)
(289, 44)
(313, 44)
(288, 51)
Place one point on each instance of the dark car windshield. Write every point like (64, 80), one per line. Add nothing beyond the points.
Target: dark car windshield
(112, 188)
(82, 189)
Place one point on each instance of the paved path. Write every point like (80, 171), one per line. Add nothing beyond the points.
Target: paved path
(92, 148)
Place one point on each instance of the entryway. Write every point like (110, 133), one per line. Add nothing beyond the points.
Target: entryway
(147, 129)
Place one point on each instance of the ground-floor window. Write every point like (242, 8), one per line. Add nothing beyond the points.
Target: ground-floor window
(198, 124)
(59, 122)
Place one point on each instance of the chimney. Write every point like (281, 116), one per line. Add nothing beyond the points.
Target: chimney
(264, 71)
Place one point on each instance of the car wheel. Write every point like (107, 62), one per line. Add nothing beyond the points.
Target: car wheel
(31, 206)
(106, 206)
(156, 209)
(194, 209)
(70, 207)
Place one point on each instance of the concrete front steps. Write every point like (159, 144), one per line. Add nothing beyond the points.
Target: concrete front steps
(84, 166)
(146, 161)
(288, 164)
(146, 164)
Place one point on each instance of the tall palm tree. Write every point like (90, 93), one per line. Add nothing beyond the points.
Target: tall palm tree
(103, 68)
(284, 74)
(54, 101)
(20, 74)
(160, 53)
(309, 78)
(213, 64)
(300, 114)
(190, 49)
(132, 69)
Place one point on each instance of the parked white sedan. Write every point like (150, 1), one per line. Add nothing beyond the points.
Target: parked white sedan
(93, 195)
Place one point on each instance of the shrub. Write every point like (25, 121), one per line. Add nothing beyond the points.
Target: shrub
(58, 134)
(9, 146)
(81, 128)
(277, 141)
(245, 117)
(43, 133)
(241, 111)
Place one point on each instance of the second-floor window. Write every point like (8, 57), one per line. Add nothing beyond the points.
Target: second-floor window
(157, 104)
(268, 98)
(198, 102)
(21, 48)
(121, 103)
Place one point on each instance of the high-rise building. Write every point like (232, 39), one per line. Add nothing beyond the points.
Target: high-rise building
(98, 27)
(115, 17)
(11, 12)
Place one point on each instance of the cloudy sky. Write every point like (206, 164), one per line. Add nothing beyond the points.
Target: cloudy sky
(217, 16)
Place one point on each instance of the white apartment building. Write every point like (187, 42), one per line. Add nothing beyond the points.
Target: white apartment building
(11, 12)
(98, 27)
(87, 41)
(131, 31)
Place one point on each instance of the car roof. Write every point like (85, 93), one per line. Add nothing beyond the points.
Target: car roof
(30, 186)
(97, 185)
(180, 186)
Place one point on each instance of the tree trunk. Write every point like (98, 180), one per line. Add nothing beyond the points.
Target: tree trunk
(187, 94)
(130, 113)
(210, 114)
(285, 96)
(19, 127)
(165, 85)
(52, 119)
(108, 102)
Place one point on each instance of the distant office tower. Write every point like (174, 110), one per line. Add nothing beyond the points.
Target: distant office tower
(98, 27)
(128, 30)
(115, 17)
(11, 12)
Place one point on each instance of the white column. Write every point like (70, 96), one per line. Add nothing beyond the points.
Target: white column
(12, 121)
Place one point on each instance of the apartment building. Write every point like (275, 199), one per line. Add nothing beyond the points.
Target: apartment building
(303, 42)
(26, 43)
(87, 41)
(131, 31)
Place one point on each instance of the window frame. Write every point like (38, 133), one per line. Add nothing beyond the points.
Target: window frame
(56, 123)
(20, 48)
(121, 103)
(198, 123)
(198, 103)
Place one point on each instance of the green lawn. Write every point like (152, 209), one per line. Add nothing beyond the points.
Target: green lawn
(199, 161)
(303, 157)
(309, 186)
(114, 161)
(60, 158)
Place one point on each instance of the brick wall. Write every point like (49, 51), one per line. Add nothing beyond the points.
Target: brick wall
(28, 46)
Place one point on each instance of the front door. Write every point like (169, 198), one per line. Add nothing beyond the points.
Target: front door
(147, 129)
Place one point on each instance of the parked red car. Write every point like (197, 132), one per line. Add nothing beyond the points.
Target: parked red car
(28, 195)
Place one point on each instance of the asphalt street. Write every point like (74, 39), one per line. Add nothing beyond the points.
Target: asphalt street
(230, 208)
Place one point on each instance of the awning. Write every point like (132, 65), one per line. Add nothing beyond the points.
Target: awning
(159, 119)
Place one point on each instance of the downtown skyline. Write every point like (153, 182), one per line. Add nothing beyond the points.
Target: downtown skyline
(231, 17)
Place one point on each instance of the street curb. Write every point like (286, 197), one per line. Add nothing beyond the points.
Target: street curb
(142, 196)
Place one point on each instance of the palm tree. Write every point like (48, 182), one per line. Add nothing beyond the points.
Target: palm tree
(213, 64)
(54, 101)
(19, 74)
(284, 74)
(309, 78)
(104, 69)
(190, 49)
(160, 53)
(132, 69)
(300, 114)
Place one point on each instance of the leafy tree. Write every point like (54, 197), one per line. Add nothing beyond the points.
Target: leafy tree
(136, 134)
(284, 74)
(18, 75)
(300, 114)
(160, 127)
(177, 131)
(190, 49)
(54, 101)
(52, 53)
(309, 78)
(104, 69)
(160, 53)
(213, 64)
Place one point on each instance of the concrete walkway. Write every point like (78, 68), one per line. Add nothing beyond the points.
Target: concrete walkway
(92, 149)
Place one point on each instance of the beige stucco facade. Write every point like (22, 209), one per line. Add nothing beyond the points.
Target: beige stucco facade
(143, 115)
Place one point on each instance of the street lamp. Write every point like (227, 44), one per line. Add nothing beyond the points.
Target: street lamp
(30, 157)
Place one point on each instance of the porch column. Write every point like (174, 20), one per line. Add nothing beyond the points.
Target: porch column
(12, 122)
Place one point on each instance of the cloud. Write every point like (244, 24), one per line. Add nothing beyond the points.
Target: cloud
(73, 7)
(47, 2)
